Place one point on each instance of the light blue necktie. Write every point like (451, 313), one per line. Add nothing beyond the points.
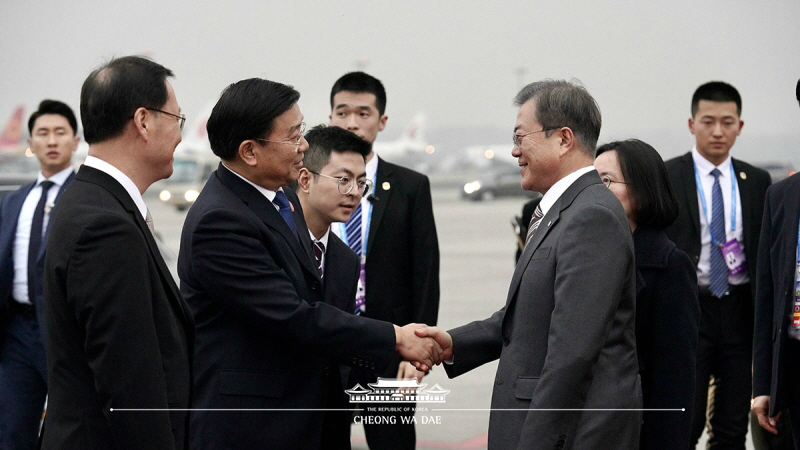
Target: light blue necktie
(719, 270)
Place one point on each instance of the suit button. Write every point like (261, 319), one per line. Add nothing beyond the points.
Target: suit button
(314, 286)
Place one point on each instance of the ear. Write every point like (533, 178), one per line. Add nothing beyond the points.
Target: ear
(691, 125)
(140, 122)
(248, 152)
(76, 141)
(382, 122)
(741, 125)
(304, 180)
(567, 140)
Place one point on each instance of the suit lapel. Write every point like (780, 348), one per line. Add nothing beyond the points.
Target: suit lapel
(549, 221)
(47, 231)
(385, 178)
(106, 181)
(689, 188)
(792, 220)
(270, 216)
(744, 184)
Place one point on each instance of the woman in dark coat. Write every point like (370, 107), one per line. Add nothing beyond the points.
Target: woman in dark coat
(667, 309)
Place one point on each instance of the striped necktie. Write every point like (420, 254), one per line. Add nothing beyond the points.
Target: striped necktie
(353, 228)
(536, 219)
(719, 270)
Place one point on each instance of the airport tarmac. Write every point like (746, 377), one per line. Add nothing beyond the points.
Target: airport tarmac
(477, 261)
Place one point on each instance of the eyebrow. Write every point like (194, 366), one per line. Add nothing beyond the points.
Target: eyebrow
(361, 107)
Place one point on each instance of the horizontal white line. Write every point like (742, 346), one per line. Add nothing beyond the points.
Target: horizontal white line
(563, 409)
(418, 409)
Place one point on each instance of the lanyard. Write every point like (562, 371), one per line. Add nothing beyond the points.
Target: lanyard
(705, 206)
(798, 243)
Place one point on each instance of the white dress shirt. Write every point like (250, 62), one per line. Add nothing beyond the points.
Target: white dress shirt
(554, 193)
(270, 195)
(23, 234)
(704, 168)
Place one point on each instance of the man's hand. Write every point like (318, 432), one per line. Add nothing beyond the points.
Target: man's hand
(422, 352)
(407, 371)
(760, 406)
(442, 338)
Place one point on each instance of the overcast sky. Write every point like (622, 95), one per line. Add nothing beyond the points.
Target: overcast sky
(456, 61)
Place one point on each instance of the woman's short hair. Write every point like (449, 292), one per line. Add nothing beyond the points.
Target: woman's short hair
(654, 202)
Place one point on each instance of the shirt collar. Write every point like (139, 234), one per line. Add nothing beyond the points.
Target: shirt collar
(554, 193)
(270, 195)
(127, 183)
(57, 179)
(704, 166)
(323, 239)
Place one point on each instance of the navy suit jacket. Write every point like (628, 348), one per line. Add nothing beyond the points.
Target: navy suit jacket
(775, 287)
(10, 208)
(265, 335)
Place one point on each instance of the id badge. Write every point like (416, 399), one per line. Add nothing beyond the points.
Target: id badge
(361, 292)
(796, 305)
(734, 257)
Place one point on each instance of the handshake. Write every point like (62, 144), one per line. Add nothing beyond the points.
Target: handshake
(422, 345)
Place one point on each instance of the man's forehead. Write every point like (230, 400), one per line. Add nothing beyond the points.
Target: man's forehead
(51, 121)
(350, 99)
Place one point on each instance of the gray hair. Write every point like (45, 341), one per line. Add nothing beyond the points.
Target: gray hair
(561, 103)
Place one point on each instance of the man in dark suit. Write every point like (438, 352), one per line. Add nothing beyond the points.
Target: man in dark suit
(394, 233)
(266, 338)
(330, 184)
(565, 337)
(776, 350)
(718, 228)
(23, 214)
(119, 335)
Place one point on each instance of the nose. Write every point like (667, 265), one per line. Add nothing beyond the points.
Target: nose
(303, 145)
(515, 152)
(51, 139)
(352, 124)
(717, 130)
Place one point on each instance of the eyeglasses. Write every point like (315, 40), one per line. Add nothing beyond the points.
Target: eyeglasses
(516, 137)
(296, 142)
(608, 181)
(181, 118)
(346, 184)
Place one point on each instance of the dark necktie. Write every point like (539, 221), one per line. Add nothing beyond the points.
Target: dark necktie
(35, 242)
(536, 219)
(319, 250)
(719, 270)
(353, 228)
(285, 210)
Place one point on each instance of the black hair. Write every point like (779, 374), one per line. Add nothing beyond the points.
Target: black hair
(716, 91)
(246, 110)
(322, 140)
(114, 91)
(54, 107)
(654, 202)
(361, 82)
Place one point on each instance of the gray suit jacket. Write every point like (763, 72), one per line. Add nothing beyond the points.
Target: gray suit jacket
(565, 338)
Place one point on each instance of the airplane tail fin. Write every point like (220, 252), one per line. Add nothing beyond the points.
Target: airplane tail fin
(12, 132)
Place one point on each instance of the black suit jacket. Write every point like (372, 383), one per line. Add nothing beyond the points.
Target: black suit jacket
(402, 268)
(342, 268)
(752, 184)
(775, 287)
(119, 335)
(667, 326)
(10, 207)
(265, 336)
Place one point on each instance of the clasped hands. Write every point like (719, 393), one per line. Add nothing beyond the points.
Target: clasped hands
(423, 346)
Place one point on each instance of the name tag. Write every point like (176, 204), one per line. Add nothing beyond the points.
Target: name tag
(734, 257)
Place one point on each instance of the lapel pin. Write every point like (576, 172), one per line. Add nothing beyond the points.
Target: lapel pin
(386, 186)
(48, 207)
(742, 175)
(549, 223)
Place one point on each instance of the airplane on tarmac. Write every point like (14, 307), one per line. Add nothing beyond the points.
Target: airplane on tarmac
(411, 149)
(11, 142)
